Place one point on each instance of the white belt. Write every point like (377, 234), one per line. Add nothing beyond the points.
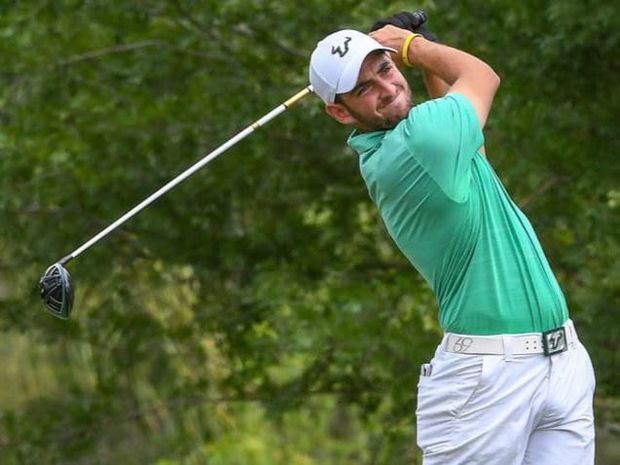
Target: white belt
(515, 344)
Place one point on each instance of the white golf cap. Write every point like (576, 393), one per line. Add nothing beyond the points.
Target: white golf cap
(336, 62)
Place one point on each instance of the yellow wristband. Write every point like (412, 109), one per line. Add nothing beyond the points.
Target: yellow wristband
(404, 53)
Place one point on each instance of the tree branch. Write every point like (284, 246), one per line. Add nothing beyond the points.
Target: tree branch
(241, 29)
(95, 54)
(544, 187)
(251, 34)
(190, 401)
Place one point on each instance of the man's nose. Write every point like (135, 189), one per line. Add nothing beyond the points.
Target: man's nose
(386, 90)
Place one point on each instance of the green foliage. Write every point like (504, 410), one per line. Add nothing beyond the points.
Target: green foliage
(259, 313)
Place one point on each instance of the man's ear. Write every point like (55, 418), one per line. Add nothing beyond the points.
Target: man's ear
(340, 113)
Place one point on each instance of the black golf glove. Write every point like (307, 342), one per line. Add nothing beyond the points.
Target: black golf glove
(413, 22)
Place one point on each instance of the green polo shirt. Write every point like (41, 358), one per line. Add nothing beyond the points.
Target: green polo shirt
(449, 213)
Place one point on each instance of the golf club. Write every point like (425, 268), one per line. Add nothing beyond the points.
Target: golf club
(55, 286)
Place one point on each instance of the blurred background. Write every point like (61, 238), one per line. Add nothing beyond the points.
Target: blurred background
(259, 313)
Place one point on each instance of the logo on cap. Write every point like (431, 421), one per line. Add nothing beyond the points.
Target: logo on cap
(339, 51)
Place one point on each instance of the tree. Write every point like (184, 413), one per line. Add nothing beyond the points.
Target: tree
(267, 279)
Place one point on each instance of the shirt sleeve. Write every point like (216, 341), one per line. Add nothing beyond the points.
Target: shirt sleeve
(444, 134)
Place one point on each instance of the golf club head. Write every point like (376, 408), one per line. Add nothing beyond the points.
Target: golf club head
(57, 291)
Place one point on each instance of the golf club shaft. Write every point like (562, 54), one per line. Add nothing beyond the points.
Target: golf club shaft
(187, 173)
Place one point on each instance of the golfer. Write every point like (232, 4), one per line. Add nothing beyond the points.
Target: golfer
(510, 382)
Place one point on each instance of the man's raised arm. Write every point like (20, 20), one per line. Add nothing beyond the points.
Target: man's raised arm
(464, 73)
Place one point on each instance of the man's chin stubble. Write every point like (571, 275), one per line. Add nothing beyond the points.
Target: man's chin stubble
(392, 122)
(377, 124)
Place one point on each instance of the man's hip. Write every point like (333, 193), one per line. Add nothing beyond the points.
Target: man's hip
(495, 407)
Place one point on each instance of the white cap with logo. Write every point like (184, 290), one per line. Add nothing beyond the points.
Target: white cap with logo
(336, 62)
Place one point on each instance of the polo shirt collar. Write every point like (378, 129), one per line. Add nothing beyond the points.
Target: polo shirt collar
(366, 141)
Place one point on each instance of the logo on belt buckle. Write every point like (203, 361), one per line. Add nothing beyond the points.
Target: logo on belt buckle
(554, 341)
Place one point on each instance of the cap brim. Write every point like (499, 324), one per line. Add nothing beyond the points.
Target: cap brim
(350, 74)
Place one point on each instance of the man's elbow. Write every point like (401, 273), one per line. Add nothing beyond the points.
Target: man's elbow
(493, 79)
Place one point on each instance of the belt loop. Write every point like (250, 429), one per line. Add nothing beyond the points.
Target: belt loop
(445, 340)
(572, 339)
(507, 340)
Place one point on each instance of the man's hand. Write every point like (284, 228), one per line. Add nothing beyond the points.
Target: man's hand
(413, 22)
(392, 37)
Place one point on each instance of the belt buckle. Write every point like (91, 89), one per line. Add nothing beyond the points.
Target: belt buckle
(554, 341)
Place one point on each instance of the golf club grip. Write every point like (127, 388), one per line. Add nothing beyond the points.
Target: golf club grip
(188, 172)
(298, 96)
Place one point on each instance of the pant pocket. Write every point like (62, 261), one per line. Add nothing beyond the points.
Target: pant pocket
(443, 395)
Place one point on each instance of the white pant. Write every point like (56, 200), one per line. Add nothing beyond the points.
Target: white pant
(507, 410)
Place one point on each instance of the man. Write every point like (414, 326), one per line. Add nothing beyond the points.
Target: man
(510, 382)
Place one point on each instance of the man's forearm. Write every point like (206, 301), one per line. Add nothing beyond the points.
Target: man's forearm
(447, 63)
(461, 71)
(435, 86)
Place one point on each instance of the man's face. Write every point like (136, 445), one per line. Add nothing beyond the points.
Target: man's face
(380, 99)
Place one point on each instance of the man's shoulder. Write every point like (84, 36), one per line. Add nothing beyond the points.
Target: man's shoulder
(390, 163)
(438, 108)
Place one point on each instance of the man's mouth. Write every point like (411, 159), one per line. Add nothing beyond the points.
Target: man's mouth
(390, 102)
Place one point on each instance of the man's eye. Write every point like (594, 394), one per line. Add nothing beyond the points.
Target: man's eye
(361, 90)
